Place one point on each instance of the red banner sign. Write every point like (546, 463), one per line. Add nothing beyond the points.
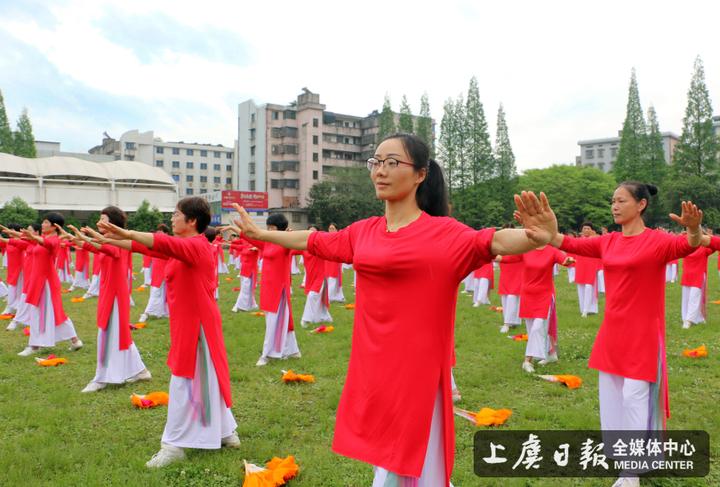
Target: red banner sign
(251, 200)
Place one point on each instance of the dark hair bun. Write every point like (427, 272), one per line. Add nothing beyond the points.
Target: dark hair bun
(652, 189)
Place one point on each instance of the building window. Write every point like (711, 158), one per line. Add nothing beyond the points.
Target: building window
(589, 153)
(189, 191)
(316, 122)
(601, 153)
(216, 167)
(251, 168)
(315, 157)
(159, 150)
(176, 178)
(159, 163)
(228, 180)
(203, 153)
(613, 152)
(189, 165)
(216, 154)
(203, 166)
(315, 139)
(130, 146)
(228, 155)
(189, 152)
(275, 115)
(189, 177)
(296, 217)
(228, 168)
(252, 150)
(252, 118)
(176, 151)
(601, 166)
(315, 174)
(274, 183)
(203, 179)
(252, 185)
(216, 180)
(176, 164)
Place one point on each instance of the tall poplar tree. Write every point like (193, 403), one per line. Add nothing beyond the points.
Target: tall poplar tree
(405, 124)
(24, 139)
(423, 127)
(386, 123)
(449, 145)
(478, 149)
(631, 154)
(6, 135)
(655, 163)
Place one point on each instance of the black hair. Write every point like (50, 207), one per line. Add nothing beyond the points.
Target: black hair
(14, 226)
(163, 228)
(640, 191)
(313, 226)
(55, 218)
(508, 225)
(278, 220)
(588, 224)
(115, 215)
(210, 234)
(195, 208)
(37, 227)
(333, 224)
(432, 194)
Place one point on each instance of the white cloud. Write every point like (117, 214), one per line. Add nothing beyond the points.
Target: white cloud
(560, 68)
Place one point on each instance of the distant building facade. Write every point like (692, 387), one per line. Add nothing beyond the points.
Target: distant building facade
(602, 153)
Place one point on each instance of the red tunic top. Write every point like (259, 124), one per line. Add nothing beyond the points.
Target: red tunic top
(82, 261)
(190, 278)
(715, 243)
(248, 259)
(510, 278)
(486, 271)
(27, 260)
(97, 264)
(146, 261)
(275, 277)
(586, 269)
(158, 271)
(694, 268)
(315, 269)
(63, 255)
(632, 335)
(538, 287)
(15, 259)
(113, 286)
(407, 283)
(44, 258)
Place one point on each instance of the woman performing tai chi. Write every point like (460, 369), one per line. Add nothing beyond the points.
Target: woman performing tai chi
(409, 264)
(629, 350)
(694, 287)
(157, 305)
(199, 414)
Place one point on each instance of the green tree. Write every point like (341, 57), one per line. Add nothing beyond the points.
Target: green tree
(506, 178)
(449, 145)
(701, 190)
(92, 219)
(405, 123)
(463, 175)
(480, 205)
(386, 123)
(6, 135)
(655, 169)
(576, 193)
(348, 195)
(24, 138)
(424, 128)
(145, 219)
(477, 140)
(696, 153)
(631, 154)
(18, 211)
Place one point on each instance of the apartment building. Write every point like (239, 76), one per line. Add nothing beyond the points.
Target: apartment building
(601, 153)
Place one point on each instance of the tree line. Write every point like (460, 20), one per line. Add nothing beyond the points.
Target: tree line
(21, 141)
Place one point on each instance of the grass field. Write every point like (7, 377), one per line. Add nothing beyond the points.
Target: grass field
(53, 435)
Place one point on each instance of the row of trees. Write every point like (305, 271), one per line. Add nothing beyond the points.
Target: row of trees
(20, 142)
(144, 219)
(407, 123)
(693, 172)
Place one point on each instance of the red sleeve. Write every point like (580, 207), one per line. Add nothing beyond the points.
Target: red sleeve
(256, 243)
(560, 256)
(139, 248)
(90, 248)
(50, 243)
(714, 244)
(16, 242)
(109, 250)
(336, 246)
(183, 249)
(676, 247)
(587, 247)
(511, 259)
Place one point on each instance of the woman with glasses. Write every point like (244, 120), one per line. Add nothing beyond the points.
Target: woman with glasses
(395, 411)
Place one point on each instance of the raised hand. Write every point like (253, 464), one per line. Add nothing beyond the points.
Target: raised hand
(246, 224)
(537, 217)
(690, 217)
(10, 232)
(112, 231)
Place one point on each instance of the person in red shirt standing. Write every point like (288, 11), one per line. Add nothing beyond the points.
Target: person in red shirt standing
(694, 287)
(629, 350)
(484, 282)
(509, 289)
(157, 305)
(316, 288)
(248, 256)
(146, 271)
(22, 316)
(82, 269)
(199, 414)
(586, 276)
(333, 273)
(47, 319)
(15, 257)
(409, 264)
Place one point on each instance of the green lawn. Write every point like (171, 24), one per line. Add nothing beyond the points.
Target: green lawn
(51, 434)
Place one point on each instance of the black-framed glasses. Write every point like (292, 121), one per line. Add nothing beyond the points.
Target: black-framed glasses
(390, 162)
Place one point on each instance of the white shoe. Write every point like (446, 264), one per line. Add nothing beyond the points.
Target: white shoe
(12, 326)
(231, 441)
(71, 289)
(304, 324)
(168, 454)
(76, 345)
(504, 329)
(476, 305)
(27, 351)
(143, 318)
(94, 386)
(295, 355)
(456, 397)
(261, 361)
(234, 309)
(627, 482)
(142, 375)
(550, 358)
(686, 325)
(528, 367)
(584, 315)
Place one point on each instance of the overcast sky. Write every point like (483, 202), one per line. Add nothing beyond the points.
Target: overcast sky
(560, 68)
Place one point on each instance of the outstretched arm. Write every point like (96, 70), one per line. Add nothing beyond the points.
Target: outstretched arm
(538, 220)
(290, 240)
(690, 218)
(113, 232)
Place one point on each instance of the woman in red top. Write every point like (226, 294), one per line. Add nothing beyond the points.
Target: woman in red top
(199, 414)
(94, 289)
(47, 319)
(15, 257)
(63, 263)
(509, 290)
(694, 287)
(157, 305)
(484, 281)
(629, 350)
(22, 316)
(586, 276)
(248, 257)
(333, 273)
(82, 269)
(316, 288)
(146, 271)
(409, 264)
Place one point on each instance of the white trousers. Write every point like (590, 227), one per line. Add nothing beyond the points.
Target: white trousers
(571, 274)
(294, 269)
(691, 308)
(43, 332)
(624, 403)
(80, 280)
(469, 283)
(246, 298)
(587, 298)
(197, 415)
(335, 292)
(433, 472)
(147, 276)
(221, 266)
(538, 344)
(315, 310)
(601, 281)
(482, 286)
(279, 342)
(157, 302)
(115, 366)
(3, 289)
(94, 289)
(22, 314)
(511, 308)
(670, 272)
(13, 295)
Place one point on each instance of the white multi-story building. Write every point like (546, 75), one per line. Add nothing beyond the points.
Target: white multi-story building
(195, 168)
(601, 153)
